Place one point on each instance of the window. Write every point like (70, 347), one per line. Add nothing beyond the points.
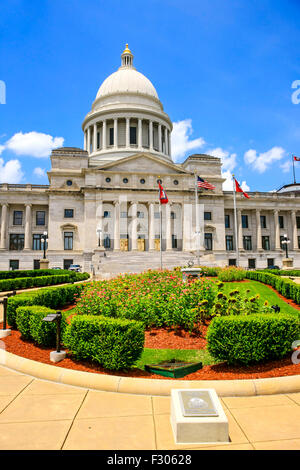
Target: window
(265, 242)
(67, 263)
(111, 136)
(106, 214)
(40, 218)
(227, 221)
(132, 135)
(140, 215)
(125, 180)
(263, 221)
(68, 241)
(108, 180)
(244, 221)
(298, 242)
(98, 140)
(175, 182)
(247, 243)
(282, 245)
(281, 221)
(13, 264)
(106, 241)
(36, 264)
(173, 215)
(174, 241)
(69, 182)
(36, 241)
(298, 222)
(16, 241)
(229, 242)
(69, 213)
(208, 241)
(18, 217)
(123, 215)
(156, 215)
(251, 263)
(207, 215)
(142, 181)
(232, 262)
(270, 262)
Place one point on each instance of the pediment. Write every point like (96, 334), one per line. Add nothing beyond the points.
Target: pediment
(143, 163)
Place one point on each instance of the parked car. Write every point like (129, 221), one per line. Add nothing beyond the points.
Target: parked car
(75, 267)
(56, 267)
(273, 267)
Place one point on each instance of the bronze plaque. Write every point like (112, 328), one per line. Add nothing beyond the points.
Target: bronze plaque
(197, 403)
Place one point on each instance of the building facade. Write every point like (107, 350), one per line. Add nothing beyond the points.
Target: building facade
(104, 197)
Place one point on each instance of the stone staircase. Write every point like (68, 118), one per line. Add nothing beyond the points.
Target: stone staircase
(136, 262)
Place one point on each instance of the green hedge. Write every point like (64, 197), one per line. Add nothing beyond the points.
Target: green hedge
(32, 273)
(285, 287)
(114, 343)
(52, 297)
(26, 282)
(31, 325)
(283, 272)
(252, 339)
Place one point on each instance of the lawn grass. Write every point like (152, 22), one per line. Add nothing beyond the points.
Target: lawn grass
(154, 356)
(264, 291)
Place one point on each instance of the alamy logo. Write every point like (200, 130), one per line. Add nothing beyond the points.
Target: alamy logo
(296, 94)
(2, 92)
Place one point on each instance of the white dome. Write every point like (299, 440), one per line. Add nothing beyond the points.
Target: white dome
(126, 80)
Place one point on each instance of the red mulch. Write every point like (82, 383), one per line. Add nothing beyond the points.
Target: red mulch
(160, 338)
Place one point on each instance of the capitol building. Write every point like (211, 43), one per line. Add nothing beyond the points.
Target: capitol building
(103, 200)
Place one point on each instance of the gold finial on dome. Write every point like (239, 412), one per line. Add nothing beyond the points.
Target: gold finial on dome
(127, 50)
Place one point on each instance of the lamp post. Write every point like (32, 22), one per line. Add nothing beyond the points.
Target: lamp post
(99, 231)
(58, 355)
(285, 242)
(44, 241)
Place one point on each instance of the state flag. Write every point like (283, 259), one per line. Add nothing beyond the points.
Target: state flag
(239, 189)
(162, 195)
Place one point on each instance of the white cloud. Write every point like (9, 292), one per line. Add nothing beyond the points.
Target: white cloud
(228, 159)
(2, 148)
(33, 144)
(261, 162)
(10, 172)
(181, 143)
(286, 166)
(39, 172)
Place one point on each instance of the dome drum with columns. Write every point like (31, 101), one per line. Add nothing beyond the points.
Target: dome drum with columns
(126, 117)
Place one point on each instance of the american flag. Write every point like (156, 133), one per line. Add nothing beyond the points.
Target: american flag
(204, 184)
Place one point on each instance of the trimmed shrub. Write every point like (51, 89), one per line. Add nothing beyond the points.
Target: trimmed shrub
(285, 287)
(253, 338)
(33, 273)
(40, 281)
(51, 297)
(113, 343)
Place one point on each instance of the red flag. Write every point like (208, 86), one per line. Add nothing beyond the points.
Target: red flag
(239, 189)
(296, 159)
(162, 195)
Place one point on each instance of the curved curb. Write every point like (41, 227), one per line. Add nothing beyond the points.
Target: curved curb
(159, 387)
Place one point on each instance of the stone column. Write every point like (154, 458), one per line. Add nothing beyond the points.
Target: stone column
(169, 143)
(159, 138)
(134, 226)
(151, 226)
(140, 134)
(115, 132)
(127, 132)
(4, 215)
(166, 140)
(295, 231)
(28, 234)
(258, 231)
(151, 135)
(168, 227)
(277, 230)
(89, 140)
(240, 230)
(84, 141)
(104, 135)
(95, 139)
(117, 226)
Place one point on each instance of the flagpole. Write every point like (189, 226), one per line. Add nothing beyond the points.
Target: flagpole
(160, 229)
(235, 223)
(197, 221)
(294, 168)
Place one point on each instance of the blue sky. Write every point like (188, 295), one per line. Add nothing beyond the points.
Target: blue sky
(223, 70)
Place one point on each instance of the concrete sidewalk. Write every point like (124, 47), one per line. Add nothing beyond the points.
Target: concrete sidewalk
(36, 414)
